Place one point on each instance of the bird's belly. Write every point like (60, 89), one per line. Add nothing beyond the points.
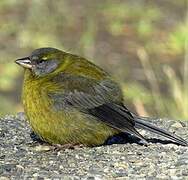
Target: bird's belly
(72, 128)
(62, 127)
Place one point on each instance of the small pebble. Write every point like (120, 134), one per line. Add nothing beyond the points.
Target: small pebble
(42, 148)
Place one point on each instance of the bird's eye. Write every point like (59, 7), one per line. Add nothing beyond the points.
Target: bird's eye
(41, 61)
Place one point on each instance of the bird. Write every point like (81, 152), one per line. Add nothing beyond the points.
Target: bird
(68, 99)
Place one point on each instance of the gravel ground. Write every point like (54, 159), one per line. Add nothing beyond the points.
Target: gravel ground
(21, 158)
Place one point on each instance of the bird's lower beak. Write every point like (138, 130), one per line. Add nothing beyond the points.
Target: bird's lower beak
(24, 62)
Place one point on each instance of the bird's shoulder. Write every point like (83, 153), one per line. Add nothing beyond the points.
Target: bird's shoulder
(84, 92)
(71, 82)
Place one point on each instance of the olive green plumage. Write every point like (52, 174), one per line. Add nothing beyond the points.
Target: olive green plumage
(68, 99)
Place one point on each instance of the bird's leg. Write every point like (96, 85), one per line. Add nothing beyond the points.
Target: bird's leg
(55, 147)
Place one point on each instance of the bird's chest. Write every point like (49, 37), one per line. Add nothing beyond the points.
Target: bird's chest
(38, 108)
(35, 103)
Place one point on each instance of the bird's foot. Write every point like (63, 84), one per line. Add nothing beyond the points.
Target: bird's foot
(54, 147)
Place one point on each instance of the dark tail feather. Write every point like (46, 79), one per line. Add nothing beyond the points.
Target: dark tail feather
(140, 123)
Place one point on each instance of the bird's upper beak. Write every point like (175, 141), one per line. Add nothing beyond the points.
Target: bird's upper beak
(24, 62)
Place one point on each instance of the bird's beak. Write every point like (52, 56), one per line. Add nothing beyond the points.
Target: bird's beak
(24, 62)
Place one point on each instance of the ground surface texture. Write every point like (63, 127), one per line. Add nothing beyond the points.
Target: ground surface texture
(21, 158)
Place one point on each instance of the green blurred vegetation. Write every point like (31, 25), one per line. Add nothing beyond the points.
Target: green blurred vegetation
(143, 44)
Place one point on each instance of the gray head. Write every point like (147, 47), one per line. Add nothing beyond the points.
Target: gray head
(42, 61)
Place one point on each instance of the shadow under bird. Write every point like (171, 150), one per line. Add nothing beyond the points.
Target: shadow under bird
(69, 100)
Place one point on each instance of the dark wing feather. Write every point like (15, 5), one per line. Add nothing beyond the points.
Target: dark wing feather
(110, 114)
(101, 100)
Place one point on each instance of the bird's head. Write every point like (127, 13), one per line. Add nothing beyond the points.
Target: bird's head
(42, 61)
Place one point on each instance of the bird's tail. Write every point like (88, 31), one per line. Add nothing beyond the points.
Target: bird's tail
(142, 124)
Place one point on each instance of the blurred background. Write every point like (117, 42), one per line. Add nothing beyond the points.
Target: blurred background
(143, 44)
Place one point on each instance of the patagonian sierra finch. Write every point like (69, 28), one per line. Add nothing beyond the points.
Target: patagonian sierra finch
(69, 100)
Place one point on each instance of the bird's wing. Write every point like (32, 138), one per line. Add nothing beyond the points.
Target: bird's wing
(101, 99)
